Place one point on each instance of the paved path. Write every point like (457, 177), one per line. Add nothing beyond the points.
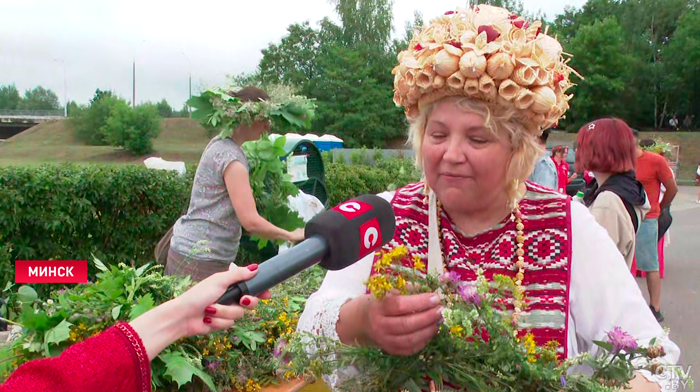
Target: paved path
(680, 288)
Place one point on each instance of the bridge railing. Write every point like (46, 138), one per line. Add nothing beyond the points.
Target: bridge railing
(31, 113)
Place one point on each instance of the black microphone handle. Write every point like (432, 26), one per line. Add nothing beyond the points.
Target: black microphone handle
(278, 269)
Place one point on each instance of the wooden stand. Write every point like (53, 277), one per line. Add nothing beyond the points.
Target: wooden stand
(297, 386)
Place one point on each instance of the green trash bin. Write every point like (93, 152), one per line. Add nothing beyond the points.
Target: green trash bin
(305, 165)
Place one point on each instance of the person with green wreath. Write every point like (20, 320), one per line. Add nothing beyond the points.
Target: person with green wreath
(206, 239)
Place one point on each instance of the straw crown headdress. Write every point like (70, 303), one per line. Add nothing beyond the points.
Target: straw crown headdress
(487, 53)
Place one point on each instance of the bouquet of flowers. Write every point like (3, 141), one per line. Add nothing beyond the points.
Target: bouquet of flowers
(477, 347)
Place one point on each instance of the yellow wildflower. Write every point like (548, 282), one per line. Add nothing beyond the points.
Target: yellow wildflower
(400, 282)
(418, 265)
(378, 285)
(289, 375)
(252, 386)
(82, 327)
(205, 351)
(530, 347)
(283, 317)
(457, 330)
(399, 252)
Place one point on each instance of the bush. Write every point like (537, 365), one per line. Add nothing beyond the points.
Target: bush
(344, 182)
(133, 129)
(70, 212)
(90, 123)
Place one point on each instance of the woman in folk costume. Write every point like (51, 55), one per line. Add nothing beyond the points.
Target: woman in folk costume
(478, 86)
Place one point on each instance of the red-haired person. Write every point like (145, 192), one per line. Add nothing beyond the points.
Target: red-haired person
(607, 147)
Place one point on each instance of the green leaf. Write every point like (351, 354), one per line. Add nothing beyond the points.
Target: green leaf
(280, 142)
(100, 265)
(141, 269)
(26, 294)
(57, 334)
(411, 386)
(144, 304)
(115, 311)
(8, 285)
(604, 345)
(181, 370)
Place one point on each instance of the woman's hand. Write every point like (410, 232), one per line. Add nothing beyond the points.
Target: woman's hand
(200, 312)
(194, 312)
(296, 235)
(403, 324)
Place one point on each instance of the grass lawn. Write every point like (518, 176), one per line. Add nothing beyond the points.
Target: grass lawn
(182, 139)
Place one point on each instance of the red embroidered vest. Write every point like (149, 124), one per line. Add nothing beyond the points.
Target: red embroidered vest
(546, 217)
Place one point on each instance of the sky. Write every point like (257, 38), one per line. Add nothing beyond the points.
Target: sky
(94, 43)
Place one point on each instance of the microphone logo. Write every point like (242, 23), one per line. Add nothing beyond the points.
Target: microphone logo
(353, 208)
(370, 235)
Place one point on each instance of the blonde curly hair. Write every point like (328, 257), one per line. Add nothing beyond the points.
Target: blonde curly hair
(501, 122)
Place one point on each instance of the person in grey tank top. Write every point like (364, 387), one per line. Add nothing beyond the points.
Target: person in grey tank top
(206, 239)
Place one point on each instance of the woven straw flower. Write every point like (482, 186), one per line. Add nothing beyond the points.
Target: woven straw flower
(486, 53)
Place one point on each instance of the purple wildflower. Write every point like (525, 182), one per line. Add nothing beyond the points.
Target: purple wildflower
(61, 291)
(621, 340)
(235, 339)
(449, 277)
(277, 352)
(469, 294)
(563, 381)
(213, 365)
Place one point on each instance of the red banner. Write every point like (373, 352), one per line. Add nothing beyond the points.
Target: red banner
(51, 271)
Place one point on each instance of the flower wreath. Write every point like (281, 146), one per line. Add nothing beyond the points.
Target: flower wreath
(216, 108)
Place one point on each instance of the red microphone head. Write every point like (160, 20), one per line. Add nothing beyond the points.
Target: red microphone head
(353, 229)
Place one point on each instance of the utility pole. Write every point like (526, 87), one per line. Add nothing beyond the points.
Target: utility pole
(133, 76)
(133, 87)
(189, 110)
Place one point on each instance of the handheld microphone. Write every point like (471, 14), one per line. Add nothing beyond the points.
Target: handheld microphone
(335, 239)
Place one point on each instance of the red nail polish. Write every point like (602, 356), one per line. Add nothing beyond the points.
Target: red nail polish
(253, 267)
(210, 310)
(207, 320)
(245, 301)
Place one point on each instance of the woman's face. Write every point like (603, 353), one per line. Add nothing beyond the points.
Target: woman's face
(464, 163)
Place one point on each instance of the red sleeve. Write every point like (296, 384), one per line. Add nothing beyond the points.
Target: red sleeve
(113, 361)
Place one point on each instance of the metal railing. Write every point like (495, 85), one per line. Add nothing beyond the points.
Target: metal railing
(31, 113)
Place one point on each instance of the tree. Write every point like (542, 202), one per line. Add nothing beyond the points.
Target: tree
(39, 98)
(90, 123)
(292, 61)
(133, 128)
(9, 97)
(683, 59)
(599, 55)
(164, 109)
(352, 103)
(346, 68)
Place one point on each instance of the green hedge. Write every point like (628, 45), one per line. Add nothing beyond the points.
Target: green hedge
(71, 212)
(118, 213)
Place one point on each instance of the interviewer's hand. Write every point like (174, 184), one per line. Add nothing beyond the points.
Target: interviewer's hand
(194, 312)
(403, 324)
(198, 308)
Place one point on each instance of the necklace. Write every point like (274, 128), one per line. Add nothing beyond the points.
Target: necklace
(517, 217)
